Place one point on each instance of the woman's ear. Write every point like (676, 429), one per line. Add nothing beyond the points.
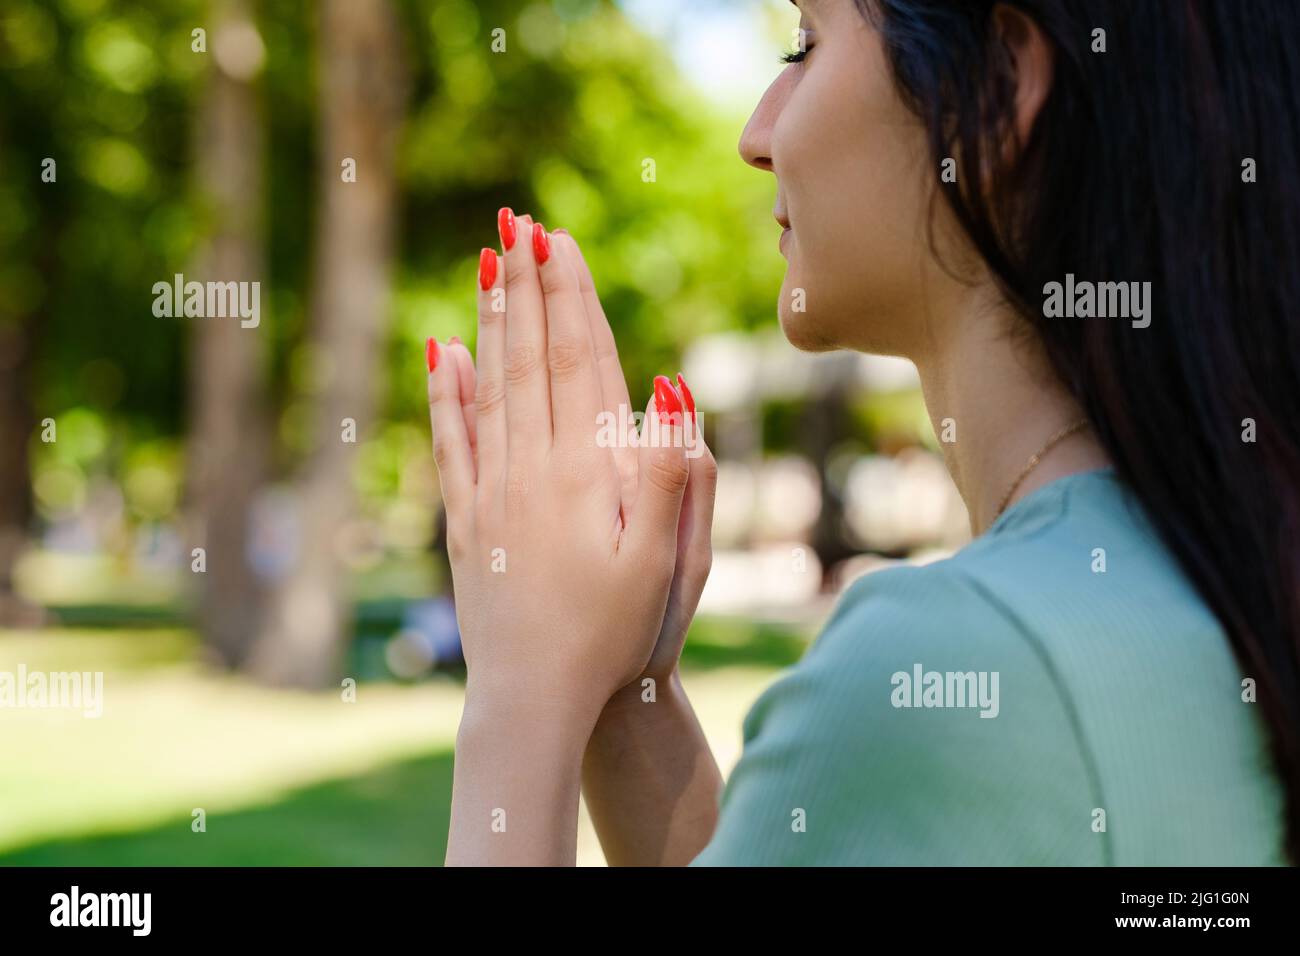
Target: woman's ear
(1032, 60)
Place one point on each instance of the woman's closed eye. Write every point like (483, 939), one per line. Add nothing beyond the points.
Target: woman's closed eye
(805, 47)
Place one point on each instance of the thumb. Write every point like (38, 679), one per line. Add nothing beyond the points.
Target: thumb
(662, 474)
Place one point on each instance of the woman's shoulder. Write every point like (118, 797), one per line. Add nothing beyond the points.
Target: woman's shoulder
(931, 637)
(1071, 569)
(1007, 703)
(918, 729)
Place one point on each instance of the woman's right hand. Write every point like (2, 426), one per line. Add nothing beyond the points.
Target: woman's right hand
(651, 784)
(694, 543)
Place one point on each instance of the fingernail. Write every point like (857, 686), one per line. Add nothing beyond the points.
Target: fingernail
(487, 268)
(687, 398)
(454, 340)
(667, 401)
(560, 232)
(506, 226)
(431, 353)
(541, 243)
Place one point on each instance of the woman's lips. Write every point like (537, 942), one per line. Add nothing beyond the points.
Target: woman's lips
(785, 237)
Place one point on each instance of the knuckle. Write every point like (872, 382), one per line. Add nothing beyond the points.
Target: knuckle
(459, 539)
(521, 363)
(519, 276)
(693, 568)
(668, 472)
(489, 397)
(605, 347)
(441, 453)
(566, 357)
(558, 279)
(438, 389)
(627, 468)
(705, 562)
(708, 466)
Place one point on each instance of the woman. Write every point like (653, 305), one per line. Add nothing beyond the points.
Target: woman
(1108, 673)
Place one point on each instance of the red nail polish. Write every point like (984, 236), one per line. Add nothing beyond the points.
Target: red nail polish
(541, 243)
(506, 226)
(431, 353)
(487, 269)
(687, 398)
(667, 401)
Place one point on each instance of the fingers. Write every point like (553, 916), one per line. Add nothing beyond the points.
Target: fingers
(663, 472)
(701, 489)
(450, 442)
(468, 386)
(570, 358)
(613, 386)
(490, 392)
(527, 385)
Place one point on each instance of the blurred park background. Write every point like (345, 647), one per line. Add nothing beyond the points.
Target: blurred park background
(129, 440)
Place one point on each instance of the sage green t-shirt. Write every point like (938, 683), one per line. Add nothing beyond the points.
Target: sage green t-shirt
(1054, 693)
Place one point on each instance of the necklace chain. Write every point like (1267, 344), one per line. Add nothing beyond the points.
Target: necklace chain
(1035, 458)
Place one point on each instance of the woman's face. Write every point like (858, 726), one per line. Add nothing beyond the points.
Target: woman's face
(854, 186)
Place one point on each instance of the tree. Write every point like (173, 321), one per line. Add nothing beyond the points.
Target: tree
(229, 431)
(362, 99)
(16, 427)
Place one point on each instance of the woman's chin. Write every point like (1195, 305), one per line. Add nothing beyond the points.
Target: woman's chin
(801, 329)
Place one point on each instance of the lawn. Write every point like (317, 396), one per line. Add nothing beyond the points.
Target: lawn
(282, 777)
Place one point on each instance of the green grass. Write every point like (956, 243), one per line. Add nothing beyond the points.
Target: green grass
(284, 777)
(395, 815)
(716, 642)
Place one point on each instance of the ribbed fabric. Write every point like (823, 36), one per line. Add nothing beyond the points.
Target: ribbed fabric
(1117, 692)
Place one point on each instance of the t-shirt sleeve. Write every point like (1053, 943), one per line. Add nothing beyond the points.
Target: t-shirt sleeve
(923, 727)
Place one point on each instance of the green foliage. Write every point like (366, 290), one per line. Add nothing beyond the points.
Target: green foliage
(106, 91)
(559, 125)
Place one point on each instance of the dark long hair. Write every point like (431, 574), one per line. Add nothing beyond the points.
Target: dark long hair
(1137, 170)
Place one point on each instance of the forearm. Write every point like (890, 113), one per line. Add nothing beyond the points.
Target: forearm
(650, 781)
(516, 782)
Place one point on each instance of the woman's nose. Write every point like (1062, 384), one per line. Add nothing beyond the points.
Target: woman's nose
(756, 139)
(753, 145)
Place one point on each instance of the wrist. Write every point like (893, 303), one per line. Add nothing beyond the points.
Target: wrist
(527, 708)
(518, 765)
(640, 702)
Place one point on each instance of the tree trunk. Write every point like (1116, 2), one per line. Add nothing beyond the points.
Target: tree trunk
(229, 429)
(19, 330)
(361, 100)
(825, 421)
(17, 425)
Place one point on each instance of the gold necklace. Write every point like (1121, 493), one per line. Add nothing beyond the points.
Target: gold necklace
(1034, 459)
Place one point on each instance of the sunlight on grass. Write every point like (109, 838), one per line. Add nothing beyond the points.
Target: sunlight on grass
(285, 777)
(175, 736)
(55, 577)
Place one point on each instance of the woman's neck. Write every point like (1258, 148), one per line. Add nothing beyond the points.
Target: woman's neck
(994, 402)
